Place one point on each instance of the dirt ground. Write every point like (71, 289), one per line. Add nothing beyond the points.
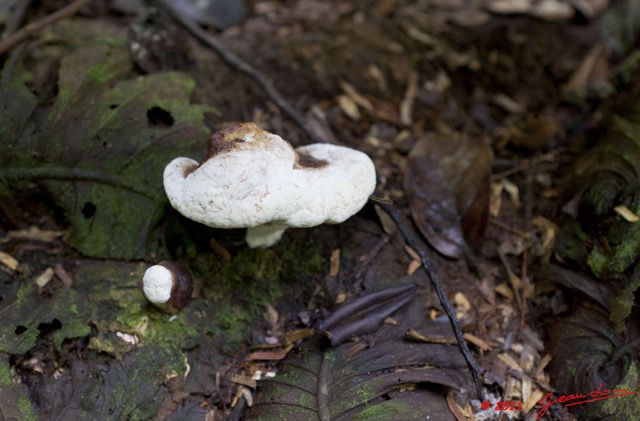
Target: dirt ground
(474, 114)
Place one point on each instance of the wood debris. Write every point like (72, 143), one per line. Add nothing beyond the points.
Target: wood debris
(8, 260)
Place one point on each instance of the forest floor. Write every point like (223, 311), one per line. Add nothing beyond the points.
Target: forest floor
(472, 112)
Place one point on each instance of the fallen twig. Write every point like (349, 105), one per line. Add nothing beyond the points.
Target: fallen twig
(242, 66)
(536, 160)
(16, 18)
(435, 280)
(24, 32)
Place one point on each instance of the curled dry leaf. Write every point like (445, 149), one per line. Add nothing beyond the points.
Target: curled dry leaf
(588, 356)
(387, 378)
(366, 313)
(448, 187)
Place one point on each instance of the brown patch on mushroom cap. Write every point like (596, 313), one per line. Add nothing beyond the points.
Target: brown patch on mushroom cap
(231, 137)
(304, 161)
(188, 170)
(182, 286)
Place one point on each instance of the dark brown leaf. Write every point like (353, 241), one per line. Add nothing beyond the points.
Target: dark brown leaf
(588, 355)
(447, 184)
(394, 379)
(366, 313)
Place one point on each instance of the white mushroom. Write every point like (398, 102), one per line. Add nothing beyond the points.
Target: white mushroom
(254, 179)
(168, 286)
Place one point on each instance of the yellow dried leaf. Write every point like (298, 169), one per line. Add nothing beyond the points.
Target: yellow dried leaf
(44, 278)
(334, 262)
(349, 107)
(626, 213)
(8, 260)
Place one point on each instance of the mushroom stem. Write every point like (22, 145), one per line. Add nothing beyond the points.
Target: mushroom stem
(265, 235)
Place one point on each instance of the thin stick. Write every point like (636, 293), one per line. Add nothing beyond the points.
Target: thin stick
(529, 163)
(446, 305)
(242, 66)
(502, 225)
(24, 32)
(525, 284)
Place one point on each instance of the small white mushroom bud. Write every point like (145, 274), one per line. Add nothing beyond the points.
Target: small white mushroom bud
(168, 286)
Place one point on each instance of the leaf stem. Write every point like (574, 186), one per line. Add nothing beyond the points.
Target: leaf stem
(437, 284)
(66, 174)
(24, 32)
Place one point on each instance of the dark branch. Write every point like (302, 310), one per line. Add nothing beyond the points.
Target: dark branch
(448, 309)
(242, 66)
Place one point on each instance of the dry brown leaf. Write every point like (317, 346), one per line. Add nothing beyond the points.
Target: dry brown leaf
(36, 234)
(510, 362)
(243, 380)
(593, 70)
(447, 182)
(44, 278)
(406, 106)
(431, 338)
(414, 265)
(8, 260)
(296, 335)
(269, 355)
(334, 260)
(626, 213)
(356, 97)
(349, 107)
(484, 346)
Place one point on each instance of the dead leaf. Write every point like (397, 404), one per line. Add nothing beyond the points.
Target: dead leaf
(44, 278)
(355, 96)
(269, 355)
(8, 260)
(393, 379)
(35, 233)
(366, 313)
(349, 107)
(105, 140)
(63, 275)
(626, 213)
(535, 133)
(447, 182)
(335, 262)
(589, 356)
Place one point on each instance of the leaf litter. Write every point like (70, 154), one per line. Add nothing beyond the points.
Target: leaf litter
(407, 69)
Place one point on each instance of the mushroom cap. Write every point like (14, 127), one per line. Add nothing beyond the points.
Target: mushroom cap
(157, 283)
(251, 177)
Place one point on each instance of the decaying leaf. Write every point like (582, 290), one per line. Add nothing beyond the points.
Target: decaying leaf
(605, 178)
(366, 313)
(394, 379)
(26, 316)
(588, 356)
(448, 187)
(595, 235)
(14, 403)
(101, 149)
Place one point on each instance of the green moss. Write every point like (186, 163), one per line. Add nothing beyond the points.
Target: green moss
(365, 394)
(382, 411)
(26, 289)
(5, 374)
(621, 408)
(597, 262)
(26, 409)
(240, 289)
